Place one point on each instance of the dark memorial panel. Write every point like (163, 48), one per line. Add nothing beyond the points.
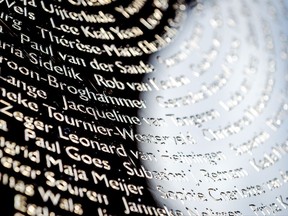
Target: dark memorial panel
(143, 107)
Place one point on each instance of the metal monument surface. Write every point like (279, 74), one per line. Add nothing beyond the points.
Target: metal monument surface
(143, 107)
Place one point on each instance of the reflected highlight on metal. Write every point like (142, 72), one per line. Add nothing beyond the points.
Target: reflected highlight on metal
(218, 135)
